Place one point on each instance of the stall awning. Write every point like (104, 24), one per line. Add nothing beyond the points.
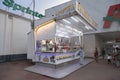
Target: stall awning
(69, 9)
(70, 14)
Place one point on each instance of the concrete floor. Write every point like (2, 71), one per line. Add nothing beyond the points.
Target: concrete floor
(93, 71)
(59, 71)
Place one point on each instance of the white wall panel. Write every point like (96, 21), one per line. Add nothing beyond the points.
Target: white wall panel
(13, 34)
(8, 36)
(89, 45)
(20, 29)
(2, 27)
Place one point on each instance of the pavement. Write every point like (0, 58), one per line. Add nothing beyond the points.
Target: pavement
(93, 71)
(58, 72)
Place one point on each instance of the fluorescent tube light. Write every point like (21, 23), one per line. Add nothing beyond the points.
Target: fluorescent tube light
(66, 21)
(74, 19)
(86, 27)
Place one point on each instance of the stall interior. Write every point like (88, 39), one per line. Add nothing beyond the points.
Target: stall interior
(66, 39)
(60, 44)
(59, 41)
(62, 36)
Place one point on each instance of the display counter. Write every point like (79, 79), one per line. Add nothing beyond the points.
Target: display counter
(57, 43)
(56, 58)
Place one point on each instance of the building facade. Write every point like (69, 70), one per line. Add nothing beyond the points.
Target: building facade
(14, 29)
(13, 36)
(104, 35)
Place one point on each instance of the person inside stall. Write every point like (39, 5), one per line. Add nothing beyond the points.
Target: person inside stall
(47, 45)
(55, 46)
(65, 47)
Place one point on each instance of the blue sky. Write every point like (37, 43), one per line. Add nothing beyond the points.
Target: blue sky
(40, 7)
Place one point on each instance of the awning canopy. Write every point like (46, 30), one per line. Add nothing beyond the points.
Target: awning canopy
(69, 15)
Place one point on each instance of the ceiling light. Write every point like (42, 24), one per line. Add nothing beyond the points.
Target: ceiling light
(74, 19)
(61, 24)
(87, 27)
(79, 19)
(68, 27)
(66, 21)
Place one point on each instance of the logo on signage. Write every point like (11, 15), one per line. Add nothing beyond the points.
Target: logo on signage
(65, 10)
(15, 6)
(112, 15)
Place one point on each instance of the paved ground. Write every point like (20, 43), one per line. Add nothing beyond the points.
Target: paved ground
(63, 69)
(93, 71)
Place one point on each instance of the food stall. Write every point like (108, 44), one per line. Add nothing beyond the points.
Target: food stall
(58, 36)
(59, 46)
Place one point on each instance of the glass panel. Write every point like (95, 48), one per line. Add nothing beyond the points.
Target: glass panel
(67, 39)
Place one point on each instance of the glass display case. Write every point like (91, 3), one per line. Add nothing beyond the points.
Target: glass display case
(60, 45)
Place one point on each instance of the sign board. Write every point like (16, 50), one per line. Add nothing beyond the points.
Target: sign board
(15, 6)
(56, 58)
(66, 11)
(112, 15)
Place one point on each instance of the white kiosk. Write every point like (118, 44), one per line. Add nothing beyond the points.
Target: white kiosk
(58, 36)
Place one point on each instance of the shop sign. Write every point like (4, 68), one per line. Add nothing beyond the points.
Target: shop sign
(85, 15)
(66, 56)
(65, 10)
(112, 15)
(55, 58)
(15, 6)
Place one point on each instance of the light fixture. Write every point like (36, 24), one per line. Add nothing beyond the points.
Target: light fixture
(74, 19)
(68, 27)
(51, 42)
(61, 35)
(66, 21)
(77, 31)
(79, 19)
(61, 24)
(88, 27)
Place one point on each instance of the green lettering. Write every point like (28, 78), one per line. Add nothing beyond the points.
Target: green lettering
(108, 18)
(31, 12)
(16, 7)
(8, 3)
(111, 18)
(28, 11)
(23, 9)
(40, 15)
(36, 14)
(118, 20)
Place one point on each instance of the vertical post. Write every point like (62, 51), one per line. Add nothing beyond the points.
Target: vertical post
(33, 34)
(33, 23)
